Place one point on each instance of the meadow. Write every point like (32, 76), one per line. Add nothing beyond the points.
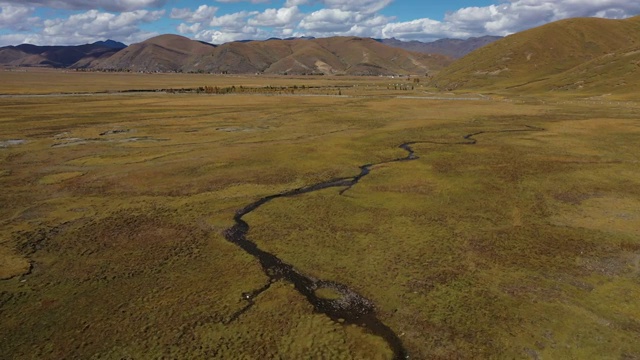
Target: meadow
(521, 241)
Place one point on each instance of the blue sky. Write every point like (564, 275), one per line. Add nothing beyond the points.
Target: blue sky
(69, 22)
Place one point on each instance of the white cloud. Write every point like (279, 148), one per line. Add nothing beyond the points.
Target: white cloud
(507, 18)
(201, 14)
(89, 26)
(276, 17)
(360, 6)
(220, 37)
(328, 22)
(291, 3)
(95, 23)
(17, 39)
(122, 19)
(17, 17)
(109, 5)
(422, 29)
(232, 21)
(185, 29)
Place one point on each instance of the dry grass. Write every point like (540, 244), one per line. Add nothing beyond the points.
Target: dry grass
(520, 246)
(47, 81)
(581, 57)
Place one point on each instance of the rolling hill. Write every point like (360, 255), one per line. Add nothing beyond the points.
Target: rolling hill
(164, 53)
(583, 54)
(80, 56)
(335, 55)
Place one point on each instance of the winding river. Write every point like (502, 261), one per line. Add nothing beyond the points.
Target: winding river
(350, 307)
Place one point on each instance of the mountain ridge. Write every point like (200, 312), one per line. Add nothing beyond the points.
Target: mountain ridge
(76, 56)
(175, 53)
(455, 48)
(302, 56)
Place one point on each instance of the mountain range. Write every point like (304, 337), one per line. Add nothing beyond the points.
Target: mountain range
(329, 56)
(58, 56)
(589, 56)
(455, 48)
(304, 55)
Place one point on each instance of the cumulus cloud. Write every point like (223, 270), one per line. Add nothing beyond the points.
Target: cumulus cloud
(290, 3)
(88, 27)
(185, 29)
(507, 18)
(232, 21)
(360, 6)
(123, 19)
(329, 22)
(109, 5)
(276, 17)
(220, 37)
(17, 17)
(201, 14)
(95, 23)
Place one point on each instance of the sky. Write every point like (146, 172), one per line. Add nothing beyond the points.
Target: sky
(74, 22)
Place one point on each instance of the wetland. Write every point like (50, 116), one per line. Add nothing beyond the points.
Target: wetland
(376, 224)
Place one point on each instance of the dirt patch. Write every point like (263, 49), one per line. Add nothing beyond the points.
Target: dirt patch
(14, 142)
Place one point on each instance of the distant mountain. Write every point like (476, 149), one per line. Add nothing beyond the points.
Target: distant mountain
(455, 48)
(79, 56)
(110, 44)
(164, 53)
(174, 53)
(336, 55)
(590, 55)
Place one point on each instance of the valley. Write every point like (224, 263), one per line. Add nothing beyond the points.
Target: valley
(497, 230)
(333, 198)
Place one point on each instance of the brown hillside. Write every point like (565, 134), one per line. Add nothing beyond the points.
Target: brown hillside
(238, 57)
(533, 58)
(56, 56)
(336, 55)
(330, 56)
(11, 54)
(162, 53)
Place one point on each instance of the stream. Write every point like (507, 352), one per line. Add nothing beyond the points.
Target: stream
(350, 307)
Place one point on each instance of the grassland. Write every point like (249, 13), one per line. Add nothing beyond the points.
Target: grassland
(524, 245)
(586, 57)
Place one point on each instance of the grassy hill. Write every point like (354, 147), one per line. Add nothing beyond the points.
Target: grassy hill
(570, 54)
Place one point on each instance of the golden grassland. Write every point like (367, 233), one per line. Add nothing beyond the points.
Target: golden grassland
(524, 245)
(580, 57)
(47, 81)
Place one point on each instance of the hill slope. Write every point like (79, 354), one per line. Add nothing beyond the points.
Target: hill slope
(336, 55)
(58, 56)
(162, 53)
(546, 58)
